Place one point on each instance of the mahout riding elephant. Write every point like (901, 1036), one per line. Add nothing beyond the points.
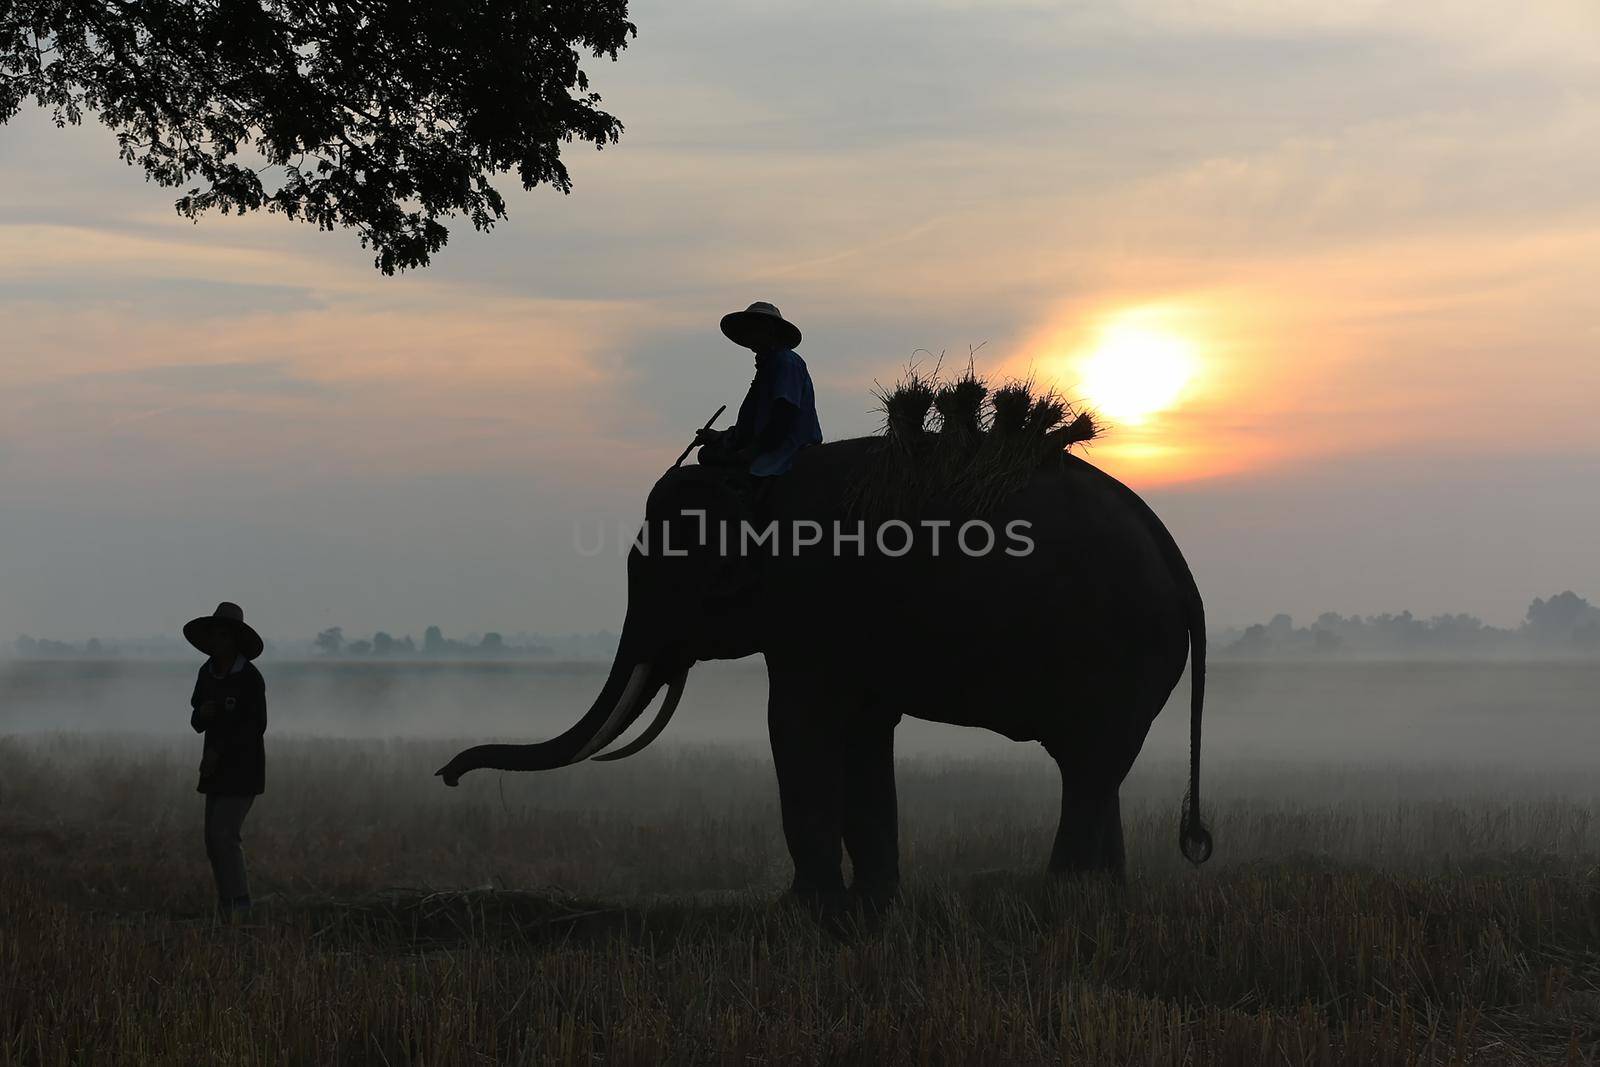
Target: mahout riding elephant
(1063, 616)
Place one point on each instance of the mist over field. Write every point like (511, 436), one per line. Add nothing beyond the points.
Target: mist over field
(1405, 873)
(1521, 715)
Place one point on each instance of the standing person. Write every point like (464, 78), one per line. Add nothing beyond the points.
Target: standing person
(230, 708)
(779, 414)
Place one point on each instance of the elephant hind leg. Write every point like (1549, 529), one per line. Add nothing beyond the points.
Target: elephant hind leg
(1089, 836)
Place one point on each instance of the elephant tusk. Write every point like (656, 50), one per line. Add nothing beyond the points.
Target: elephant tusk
(618, 719)
(668, 706)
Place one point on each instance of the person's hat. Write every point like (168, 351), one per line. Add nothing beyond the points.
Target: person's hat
(760, 325)
(198, 631)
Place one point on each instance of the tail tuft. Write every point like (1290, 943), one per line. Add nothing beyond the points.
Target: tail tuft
(1194, 838)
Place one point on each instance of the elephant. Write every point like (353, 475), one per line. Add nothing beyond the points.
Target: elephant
(1072, 630)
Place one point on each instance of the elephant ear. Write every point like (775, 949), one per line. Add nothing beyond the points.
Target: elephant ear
(725, 576)
(732, 576)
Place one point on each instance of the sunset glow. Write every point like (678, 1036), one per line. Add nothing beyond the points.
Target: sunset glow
(1136, 371)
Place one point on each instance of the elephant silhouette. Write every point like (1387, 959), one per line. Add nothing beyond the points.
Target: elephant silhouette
(1063, 616)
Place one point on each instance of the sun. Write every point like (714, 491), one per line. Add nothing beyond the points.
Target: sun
(1135, 371)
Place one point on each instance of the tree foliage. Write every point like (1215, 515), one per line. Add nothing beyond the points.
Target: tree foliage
(382, 115)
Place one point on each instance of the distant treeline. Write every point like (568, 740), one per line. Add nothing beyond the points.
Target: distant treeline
(1564, 625)
(333, 644)
(434, 645)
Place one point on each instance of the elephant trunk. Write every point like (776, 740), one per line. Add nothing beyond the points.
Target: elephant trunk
(626, 693)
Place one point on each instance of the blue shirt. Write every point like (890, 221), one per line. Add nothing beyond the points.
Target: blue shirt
(780, 375)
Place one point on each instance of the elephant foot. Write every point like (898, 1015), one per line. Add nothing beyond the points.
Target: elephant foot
(818, 902)
(843, 914)
(875, 898)
(828, 908)
(1108, 875)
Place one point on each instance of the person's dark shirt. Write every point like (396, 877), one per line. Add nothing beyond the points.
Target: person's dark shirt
(779, 414)
(241, 766)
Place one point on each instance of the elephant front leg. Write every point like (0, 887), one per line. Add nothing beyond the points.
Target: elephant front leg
(805, 750)
(870, 812)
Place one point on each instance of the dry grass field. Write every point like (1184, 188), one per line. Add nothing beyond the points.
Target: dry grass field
(630, 913)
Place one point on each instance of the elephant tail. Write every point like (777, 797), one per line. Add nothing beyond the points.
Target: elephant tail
(1194, 839)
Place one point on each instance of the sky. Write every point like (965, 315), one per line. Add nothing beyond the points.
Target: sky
(1330, 267)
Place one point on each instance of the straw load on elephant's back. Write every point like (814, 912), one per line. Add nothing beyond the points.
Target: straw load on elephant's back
(962, 447)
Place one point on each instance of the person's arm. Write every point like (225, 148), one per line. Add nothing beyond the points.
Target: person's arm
(713, 444)
(704, 436)
(199, 712)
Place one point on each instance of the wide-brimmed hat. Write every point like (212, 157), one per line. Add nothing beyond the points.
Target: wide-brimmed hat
(198, 631)
(760, 325)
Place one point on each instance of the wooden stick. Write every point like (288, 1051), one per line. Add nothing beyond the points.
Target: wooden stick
(685, 455)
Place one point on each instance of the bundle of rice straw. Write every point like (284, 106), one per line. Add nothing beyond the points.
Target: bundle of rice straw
(975, 456)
